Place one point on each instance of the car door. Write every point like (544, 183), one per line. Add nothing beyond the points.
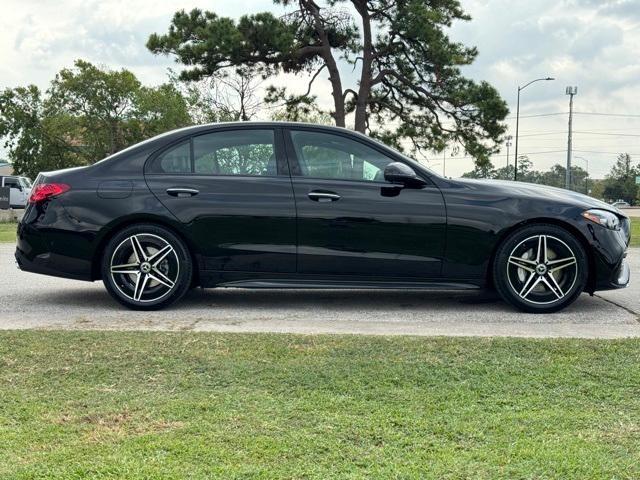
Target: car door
(232, 191)
(351, 221)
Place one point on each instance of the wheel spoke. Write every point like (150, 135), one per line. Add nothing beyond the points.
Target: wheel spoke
(160, 255)
(141, 256)
(160, 277)
(553, 285)
(529, 285)
(528, 265)
(141, 283)
(541, 256)
(561, 263)
(127, 269)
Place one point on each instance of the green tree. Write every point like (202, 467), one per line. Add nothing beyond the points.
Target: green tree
(409, 86)
(554, 177)
(620, 183)
(86, 114)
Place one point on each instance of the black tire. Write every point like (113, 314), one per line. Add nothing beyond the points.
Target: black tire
(536, 279)
(161, 277)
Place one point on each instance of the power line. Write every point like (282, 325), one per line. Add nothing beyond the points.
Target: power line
(611, 134)
(581, 132)
(609, 114)
(538, 115)
(606, 153)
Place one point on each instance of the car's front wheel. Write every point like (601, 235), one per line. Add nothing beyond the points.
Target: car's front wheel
(540, 268)
(146, 267)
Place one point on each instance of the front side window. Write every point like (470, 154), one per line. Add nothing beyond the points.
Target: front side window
(239, 152)
(324, 155)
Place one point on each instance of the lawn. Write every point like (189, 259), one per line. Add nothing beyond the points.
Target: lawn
(198, 405)
(635, 232)
(8, 232)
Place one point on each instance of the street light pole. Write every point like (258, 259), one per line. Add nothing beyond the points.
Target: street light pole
(571, 91)
(444, 162)
(515, 173)
(586, 179)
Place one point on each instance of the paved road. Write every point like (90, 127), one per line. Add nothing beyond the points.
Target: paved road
(35, 301)
(632, 212)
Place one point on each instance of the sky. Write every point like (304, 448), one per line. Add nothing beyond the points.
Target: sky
(592, 44)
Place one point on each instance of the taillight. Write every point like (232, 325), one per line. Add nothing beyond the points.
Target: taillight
(42, 191)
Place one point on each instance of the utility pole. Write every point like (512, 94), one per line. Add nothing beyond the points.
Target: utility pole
(571, 91)
(508, 144)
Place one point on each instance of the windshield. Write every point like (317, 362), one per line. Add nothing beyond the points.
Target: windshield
(25, 182)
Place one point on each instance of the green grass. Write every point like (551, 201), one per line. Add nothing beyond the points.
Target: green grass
(186, 405)
(635, 232)
(8, 231)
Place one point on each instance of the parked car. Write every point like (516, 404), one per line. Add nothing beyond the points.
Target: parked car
(620, 204)
(286, 205)
(20, 189)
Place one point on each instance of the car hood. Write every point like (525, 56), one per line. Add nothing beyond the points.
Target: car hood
(522, 189)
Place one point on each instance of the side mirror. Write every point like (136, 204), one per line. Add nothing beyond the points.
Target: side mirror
(400, 173)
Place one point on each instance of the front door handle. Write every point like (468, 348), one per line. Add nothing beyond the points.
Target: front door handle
(182, 192)
(317, 196)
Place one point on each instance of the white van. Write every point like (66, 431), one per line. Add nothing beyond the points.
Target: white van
(20, 190)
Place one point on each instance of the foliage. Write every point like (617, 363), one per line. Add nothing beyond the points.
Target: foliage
(86, 114)
(202, 405)
(409, 89)
(554, 177)
(620, 183)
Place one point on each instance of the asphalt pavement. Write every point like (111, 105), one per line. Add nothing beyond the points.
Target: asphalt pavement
(35, 301)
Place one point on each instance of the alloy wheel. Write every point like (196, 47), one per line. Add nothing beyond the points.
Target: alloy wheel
(542, 269)
(144, 267)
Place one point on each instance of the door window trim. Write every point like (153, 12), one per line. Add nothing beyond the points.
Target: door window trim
(282, 164)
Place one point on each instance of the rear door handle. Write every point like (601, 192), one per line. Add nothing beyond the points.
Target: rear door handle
(182, 192)
(323, 196)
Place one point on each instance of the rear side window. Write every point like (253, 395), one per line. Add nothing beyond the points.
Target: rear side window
(240, 152)
(229, 152)
(175, 160)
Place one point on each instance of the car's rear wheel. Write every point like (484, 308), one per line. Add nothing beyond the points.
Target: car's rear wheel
(540, 268)
(146, 267)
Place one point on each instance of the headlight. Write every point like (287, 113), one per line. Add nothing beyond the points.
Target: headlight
(602, 217)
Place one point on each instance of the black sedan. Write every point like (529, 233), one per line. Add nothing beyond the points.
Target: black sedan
(285, 205)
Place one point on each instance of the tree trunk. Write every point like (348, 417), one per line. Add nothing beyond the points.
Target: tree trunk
(327, 55)
(336, 88)
(364, 89)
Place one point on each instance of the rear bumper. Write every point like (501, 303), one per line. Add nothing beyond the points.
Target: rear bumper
(44, 245)
(47, 263)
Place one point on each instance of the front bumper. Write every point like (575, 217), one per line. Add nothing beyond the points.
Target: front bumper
(611, 267)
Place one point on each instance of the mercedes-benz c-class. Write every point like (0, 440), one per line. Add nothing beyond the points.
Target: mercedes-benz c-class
(286, 205)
